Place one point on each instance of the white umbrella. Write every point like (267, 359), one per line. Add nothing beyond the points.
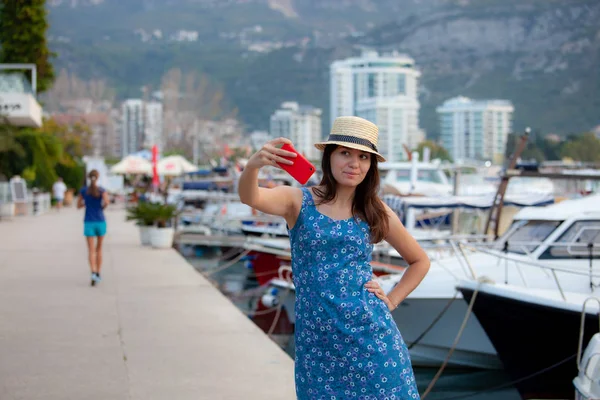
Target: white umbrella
(175, 166)
(132, 165)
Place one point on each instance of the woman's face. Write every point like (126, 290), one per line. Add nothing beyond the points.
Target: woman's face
(350, 166)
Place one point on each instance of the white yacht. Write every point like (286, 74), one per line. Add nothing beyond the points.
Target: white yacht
(552, 236)
(415, 178)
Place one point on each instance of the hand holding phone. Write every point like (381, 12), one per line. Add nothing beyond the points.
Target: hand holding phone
(301, 169)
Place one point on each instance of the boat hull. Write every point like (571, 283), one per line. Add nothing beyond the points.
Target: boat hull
(531, 337)
(474, 350)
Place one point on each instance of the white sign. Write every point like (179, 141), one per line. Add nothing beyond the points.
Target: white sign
(18, 190)
(20, 109)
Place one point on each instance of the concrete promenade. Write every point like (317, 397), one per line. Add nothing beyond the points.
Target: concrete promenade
(154, 328)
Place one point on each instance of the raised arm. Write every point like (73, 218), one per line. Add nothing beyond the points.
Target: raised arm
(284, 201)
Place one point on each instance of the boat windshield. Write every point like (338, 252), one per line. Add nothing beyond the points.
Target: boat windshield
(525, 236)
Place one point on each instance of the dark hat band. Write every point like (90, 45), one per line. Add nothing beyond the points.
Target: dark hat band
(352, 139)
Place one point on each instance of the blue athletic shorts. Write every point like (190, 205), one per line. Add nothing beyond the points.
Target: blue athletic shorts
(94, 228)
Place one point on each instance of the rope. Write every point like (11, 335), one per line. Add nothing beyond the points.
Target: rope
(262, 312)
(512, 383)
(264, 273)
(451, 351)
(435, 321)
(231, 252)
(279, 308)
(249, 293)
(227, 264)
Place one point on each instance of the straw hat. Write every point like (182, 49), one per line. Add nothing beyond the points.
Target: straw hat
(354, 132)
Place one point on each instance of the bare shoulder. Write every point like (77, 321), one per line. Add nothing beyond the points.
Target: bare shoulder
(393, 218)
(388, 210)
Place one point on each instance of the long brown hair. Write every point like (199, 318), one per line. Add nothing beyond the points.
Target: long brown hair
(93, 190)
(365, 204)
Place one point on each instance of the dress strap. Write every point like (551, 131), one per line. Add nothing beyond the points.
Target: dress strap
(307, 198)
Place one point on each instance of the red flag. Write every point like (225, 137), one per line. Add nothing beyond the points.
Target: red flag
(155, 178)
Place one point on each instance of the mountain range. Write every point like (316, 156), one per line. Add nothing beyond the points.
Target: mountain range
(542, 55)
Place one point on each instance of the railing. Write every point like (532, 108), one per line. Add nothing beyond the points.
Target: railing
(222, 222)
(519, 262)
(581, 330)
(462, 250)
(35, 204)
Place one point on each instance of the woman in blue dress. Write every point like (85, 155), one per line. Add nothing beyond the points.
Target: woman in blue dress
(347, 343)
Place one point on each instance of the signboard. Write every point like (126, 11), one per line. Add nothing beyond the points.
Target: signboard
(18, 190)
(20, 109)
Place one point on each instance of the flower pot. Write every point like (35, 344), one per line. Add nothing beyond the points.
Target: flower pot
(145, 235)
(162, 238)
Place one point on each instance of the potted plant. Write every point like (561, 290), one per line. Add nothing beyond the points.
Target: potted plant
(161, 235)
(144, 214)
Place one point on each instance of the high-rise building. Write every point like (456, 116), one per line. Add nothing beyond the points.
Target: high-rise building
(300, 124)
(475, 129)
(382, 89)
(153, 133)
(132, 126)
(141, 125)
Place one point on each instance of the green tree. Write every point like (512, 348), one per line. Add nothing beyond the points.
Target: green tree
(174, 152)
(43, 153)
(550, 148)
(585, 148)
(73, 173)
(23, 26)
(75, 138)
(436, 150)
(538, 148)
(9, 145)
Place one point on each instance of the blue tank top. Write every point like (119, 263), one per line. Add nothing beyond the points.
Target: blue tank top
(93, 206)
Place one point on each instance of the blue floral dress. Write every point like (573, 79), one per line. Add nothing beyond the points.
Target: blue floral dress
(347, 343)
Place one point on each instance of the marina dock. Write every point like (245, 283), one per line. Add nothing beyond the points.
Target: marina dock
(154, 328)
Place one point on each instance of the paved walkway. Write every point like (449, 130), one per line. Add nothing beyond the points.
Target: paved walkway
(153, 329)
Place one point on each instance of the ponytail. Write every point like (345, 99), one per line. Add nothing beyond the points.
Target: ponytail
(93, 190)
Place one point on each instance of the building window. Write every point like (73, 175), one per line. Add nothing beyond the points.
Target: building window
(401, 84)
(372, 85)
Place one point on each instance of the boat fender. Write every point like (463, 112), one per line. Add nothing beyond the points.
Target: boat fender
(587, 383)
(269, 300)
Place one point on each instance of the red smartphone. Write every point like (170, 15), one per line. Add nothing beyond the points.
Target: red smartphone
(302, 169)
